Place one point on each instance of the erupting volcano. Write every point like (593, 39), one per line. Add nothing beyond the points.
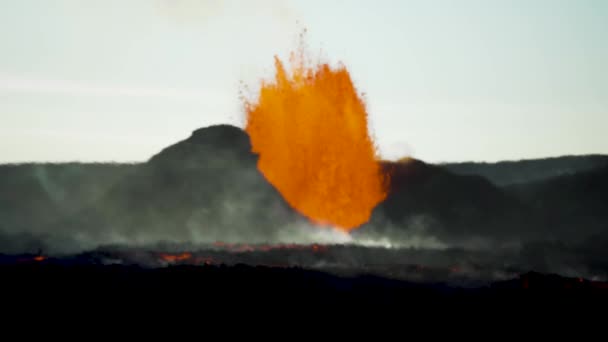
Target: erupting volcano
(309, 127)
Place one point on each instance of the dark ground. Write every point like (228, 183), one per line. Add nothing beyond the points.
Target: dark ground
(61, 282)
(253, 287)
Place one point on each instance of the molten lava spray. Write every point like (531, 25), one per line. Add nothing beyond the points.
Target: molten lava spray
(309, 127)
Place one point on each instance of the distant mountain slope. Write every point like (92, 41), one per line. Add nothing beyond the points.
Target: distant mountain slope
(429, 200)
(205, 188)
(514, 172)
(572, 205)
(33, 195)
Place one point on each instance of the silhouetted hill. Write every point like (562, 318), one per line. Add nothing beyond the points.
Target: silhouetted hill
(573, 206)
(427, 200)
(207, 188)
(522, 171)
(34, 196)
(203, 189)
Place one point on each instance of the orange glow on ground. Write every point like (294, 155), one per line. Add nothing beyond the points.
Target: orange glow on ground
(175, 257)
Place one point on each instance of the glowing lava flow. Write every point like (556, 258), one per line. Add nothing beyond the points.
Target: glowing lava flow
(175, 257)
(309, 127)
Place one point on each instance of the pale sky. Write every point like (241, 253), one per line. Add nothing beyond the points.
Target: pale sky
(118, 80)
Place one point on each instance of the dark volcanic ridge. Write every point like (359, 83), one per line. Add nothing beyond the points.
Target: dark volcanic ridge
(506, 218)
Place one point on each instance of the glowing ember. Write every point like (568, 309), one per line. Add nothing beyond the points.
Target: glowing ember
(309, 127)
(37, 258)
(175, 257)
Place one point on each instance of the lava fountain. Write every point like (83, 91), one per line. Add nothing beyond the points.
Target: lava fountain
(309, 127)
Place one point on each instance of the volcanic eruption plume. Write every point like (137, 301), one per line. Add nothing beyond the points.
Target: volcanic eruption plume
(309, 127)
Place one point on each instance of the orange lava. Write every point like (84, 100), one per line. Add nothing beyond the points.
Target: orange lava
(40, 258)
(309, 127)
(175, 257)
